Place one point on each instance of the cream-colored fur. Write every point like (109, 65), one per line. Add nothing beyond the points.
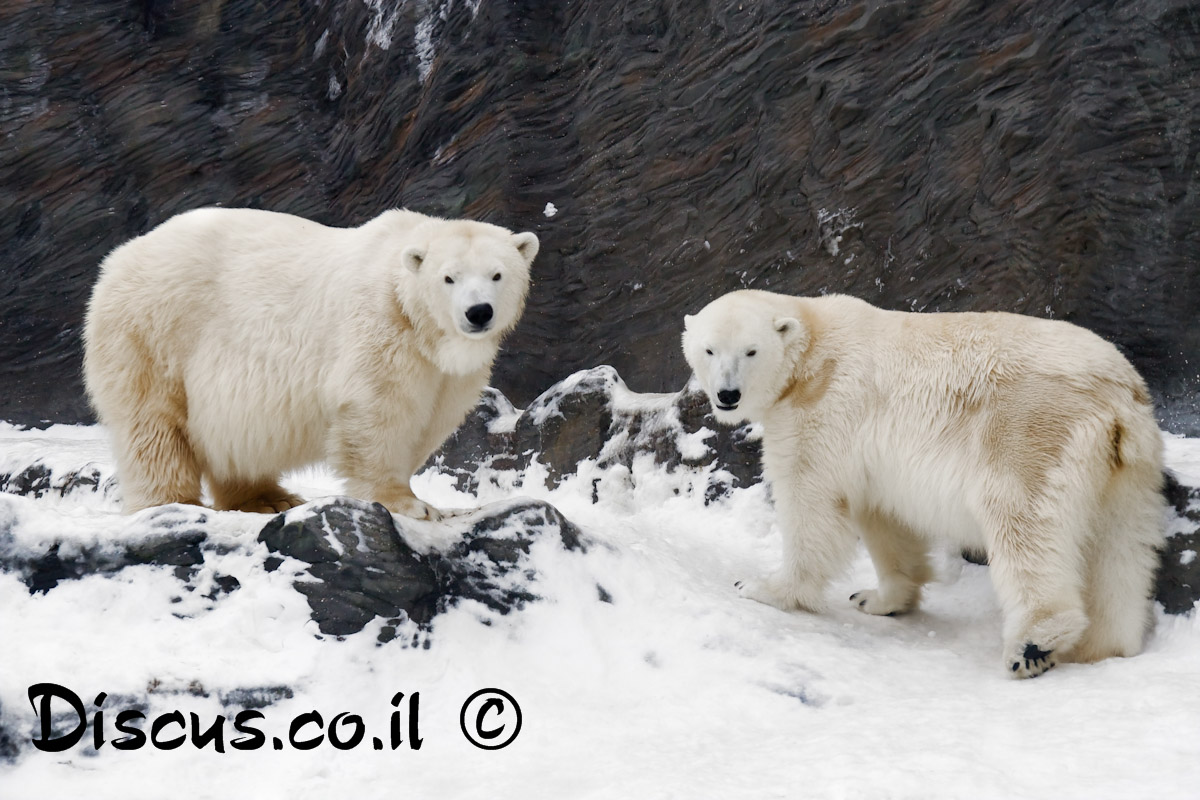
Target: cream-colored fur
(235, 344)
(1033, 439)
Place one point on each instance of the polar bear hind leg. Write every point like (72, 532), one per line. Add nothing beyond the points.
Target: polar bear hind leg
(1122, 561)
(1043, 603)
(146, 417)
(1040, 526)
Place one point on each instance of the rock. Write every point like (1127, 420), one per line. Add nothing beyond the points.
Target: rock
(365, 568)
(177, 539)
(1178, 582)
(1037, 158)
(37, 480)
(33, 481)
(593, 416)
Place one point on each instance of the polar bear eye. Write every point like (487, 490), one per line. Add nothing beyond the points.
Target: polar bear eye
(708, 351)
(496, 277)
(449, 279)
(751, 353)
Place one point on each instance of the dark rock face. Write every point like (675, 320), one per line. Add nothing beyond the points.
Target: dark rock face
(365, 568)
(1039, 158)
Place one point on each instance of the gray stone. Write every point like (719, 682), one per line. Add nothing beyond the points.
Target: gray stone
(366, 569)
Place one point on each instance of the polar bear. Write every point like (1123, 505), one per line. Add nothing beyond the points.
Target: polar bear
(1033, 439)
(235, 344)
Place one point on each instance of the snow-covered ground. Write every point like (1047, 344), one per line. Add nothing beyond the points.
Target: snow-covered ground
(675, 688)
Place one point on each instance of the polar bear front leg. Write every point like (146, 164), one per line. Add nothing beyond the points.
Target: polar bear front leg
(818, 544)
(901, 560)
(377, 457)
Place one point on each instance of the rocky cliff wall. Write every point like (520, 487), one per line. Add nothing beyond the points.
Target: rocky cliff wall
(948, 155)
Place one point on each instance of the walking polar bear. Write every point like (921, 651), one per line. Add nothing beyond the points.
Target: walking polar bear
(1033, 439)
(235, 344)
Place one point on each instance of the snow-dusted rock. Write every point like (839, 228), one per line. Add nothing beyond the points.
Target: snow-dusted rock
(1178, 583)
(360, 561)
(592, 416)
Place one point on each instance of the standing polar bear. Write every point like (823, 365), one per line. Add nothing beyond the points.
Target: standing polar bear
(235, 344)
(1033, 439)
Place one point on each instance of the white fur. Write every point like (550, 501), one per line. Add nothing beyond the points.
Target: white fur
(1033, 440)
(237, 344)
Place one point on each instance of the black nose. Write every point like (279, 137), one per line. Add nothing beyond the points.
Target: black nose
(479, 315)
(729, 397)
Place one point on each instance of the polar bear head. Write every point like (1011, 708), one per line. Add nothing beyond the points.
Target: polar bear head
(472, 279)
(743, 348)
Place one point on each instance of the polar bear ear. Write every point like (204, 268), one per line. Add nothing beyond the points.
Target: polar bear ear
(412, 257)
(790, 329)
(527, 245)
(687, 320)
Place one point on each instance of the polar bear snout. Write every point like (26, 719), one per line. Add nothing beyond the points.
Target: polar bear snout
(727, 399)
(479, 315)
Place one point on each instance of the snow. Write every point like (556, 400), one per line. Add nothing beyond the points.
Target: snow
(1183, 458)
(675, 688)
(550, 210)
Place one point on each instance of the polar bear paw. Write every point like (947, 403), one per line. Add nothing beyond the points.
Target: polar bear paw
(760, 592)
(1037, 647)
(871, 601)
(417, 509)
(271, 504)
(771, 591)
(1032, 661)
(255, 497)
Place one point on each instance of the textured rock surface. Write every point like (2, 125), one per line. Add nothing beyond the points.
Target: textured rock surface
(593, 416)
(356, 564)
(177, 540)
(1032, 157)
(365, 568)
(1178, 584)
